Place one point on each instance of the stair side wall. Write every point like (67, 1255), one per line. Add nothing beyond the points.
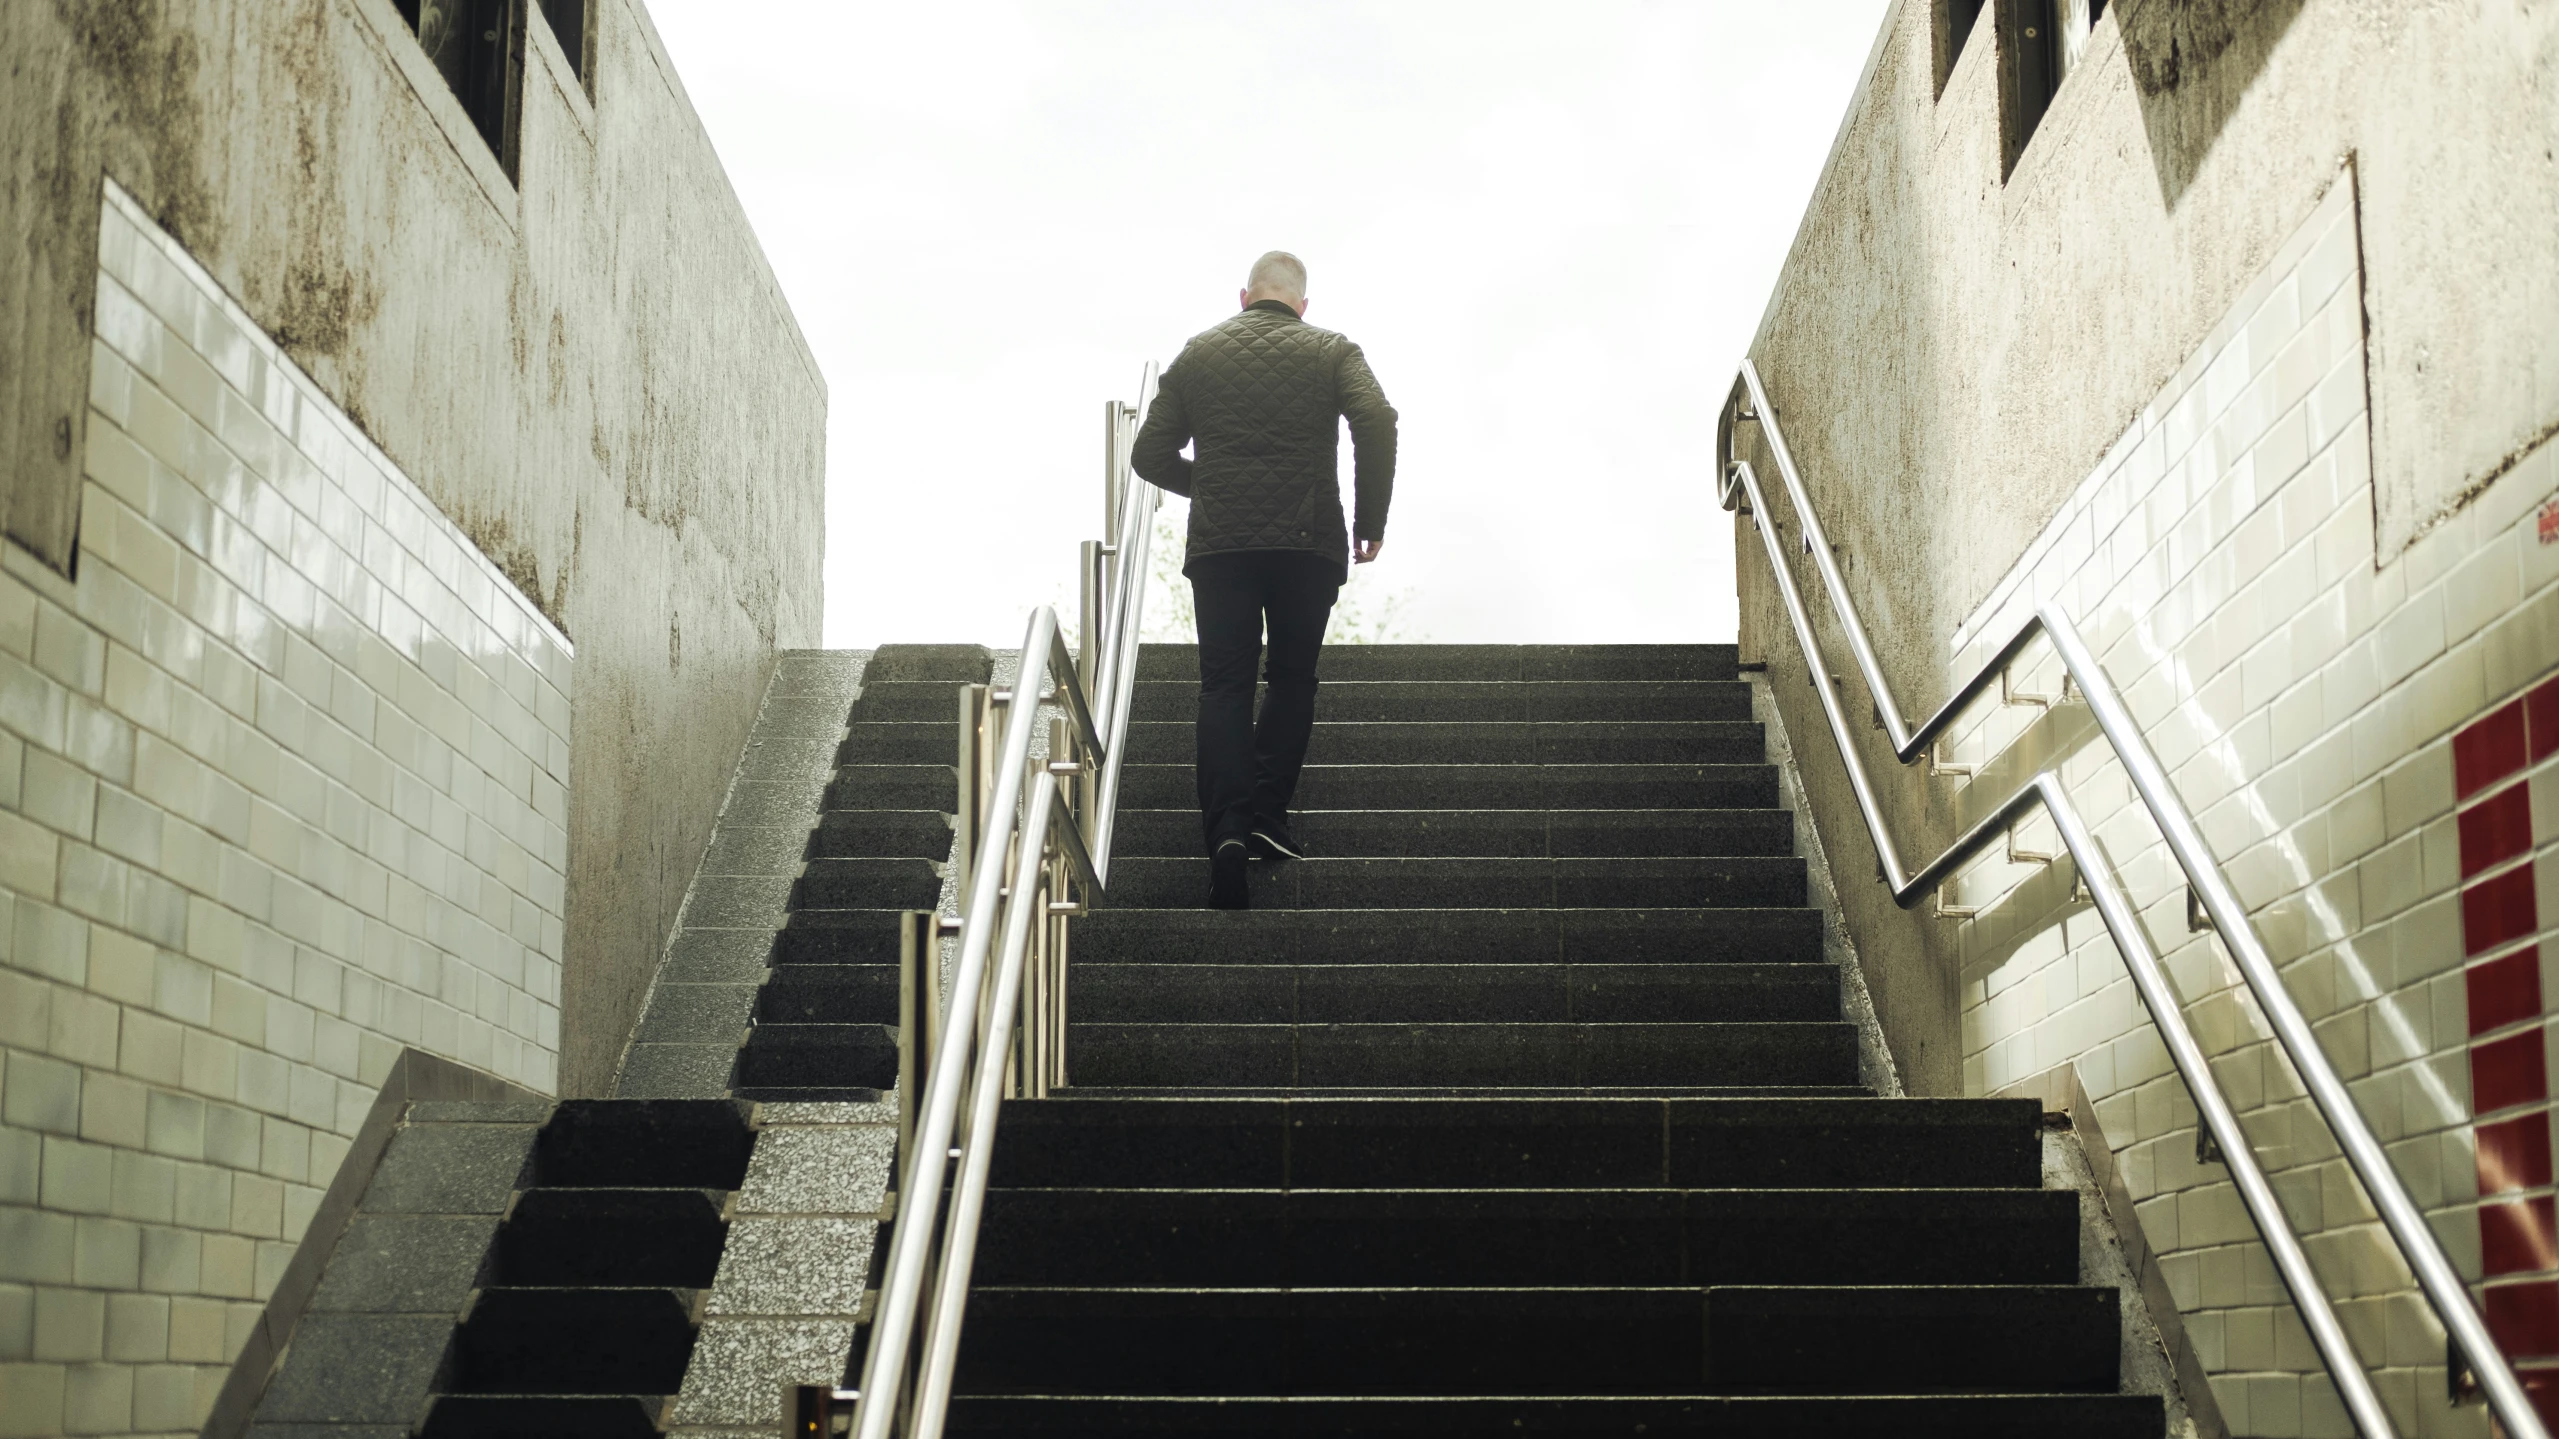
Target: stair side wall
(2311, 707)
(322, 438)
(1875, 1065)
(284, 791)
(356, 1337)
(703, 995)
(2229, 367)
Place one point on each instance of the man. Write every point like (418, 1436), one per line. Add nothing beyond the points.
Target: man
(1257, 398)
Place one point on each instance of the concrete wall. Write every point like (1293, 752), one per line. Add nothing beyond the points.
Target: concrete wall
(284, 788)
(2244, 363)
(587, 365)
(2218, 560)
(1951, 352)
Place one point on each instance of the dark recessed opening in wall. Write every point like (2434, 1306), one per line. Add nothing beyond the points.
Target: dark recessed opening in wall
(567, 19)
(2039, 42)
(473, 45)
(1954, 26)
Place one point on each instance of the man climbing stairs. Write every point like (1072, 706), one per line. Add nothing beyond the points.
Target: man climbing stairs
(1523, 1103)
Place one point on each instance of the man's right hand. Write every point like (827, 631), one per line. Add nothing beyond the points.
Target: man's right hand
(1362, 551)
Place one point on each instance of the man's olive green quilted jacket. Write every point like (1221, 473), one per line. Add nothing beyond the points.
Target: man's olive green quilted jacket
(1260, 394)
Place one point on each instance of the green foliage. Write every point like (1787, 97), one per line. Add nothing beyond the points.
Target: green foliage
(1368, 613)
(1168, 618)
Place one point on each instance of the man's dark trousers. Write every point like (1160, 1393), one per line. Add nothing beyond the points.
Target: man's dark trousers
(1248, 771)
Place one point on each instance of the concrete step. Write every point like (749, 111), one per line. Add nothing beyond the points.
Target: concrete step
(1582, 1340)
(1493, 1055)
(1754, 881)
(894, 884)
(1431, 936)
(1449, 742)
(587, 1317)
(829, 994)
(1271, 1238)
(1438, 742)
(622, 1238)
(884, 834)
(1486, 833)
(874, 742)
(1485, 786)
(1914, 1339)
(933, 785)
(832, 1057)
(1495, 1143)
(511, 1416)
(838, 936)
(928, 664)
(910, 701)
(1442, 993)
(574, 1341)
(1974, 1416)
(1482, 662)
(644, 1143)
(1434, 702)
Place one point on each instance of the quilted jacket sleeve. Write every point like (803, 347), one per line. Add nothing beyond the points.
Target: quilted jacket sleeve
(1372, 443)
(1157, 455)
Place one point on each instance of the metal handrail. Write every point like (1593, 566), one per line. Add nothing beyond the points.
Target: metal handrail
(1018, 860)
(2416, 1241)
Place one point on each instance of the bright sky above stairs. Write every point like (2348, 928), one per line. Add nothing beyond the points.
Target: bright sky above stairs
(1552, 226)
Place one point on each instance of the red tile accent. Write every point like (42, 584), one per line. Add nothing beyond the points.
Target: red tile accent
(2524, 1318)
(2518, 1238)
(2542, 708)
(2507, 1072)
(2505, 990)
(2495, 911)
(2496, 829)
(2543, 1386)
(2488, 749)
(2514, 1154)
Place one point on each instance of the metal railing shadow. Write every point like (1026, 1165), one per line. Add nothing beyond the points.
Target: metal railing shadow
(1747, 402)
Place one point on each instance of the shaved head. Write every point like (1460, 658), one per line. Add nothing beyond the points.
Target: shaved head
(1278, 275)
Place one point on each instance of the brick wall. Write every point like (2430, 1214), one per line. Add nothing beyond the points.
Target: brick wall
(2221, 561)
(283, 785)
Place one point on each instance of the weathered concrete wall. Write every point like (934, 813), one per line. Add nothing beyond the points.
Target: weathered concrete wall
(284, 782)
(589, 368)
(1951, 353)
(2238, 370)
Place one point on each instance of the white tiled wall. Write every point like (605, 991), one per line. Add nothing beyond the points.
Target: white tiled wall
(2220, 560)
(282, 790)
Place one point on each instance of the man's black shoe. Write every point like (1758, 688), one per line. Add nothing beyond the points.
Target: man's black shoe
(1226, 889)
(1271, 840)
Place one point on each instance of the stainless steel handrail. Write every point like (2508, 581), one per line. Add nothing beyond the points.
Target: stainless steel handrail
(1036, 842)
(2406, 1224)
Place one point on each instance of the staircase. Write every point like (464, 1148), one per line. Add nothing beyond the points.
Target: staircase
(1525, 1104)
(587, 1309)
(825, 1021)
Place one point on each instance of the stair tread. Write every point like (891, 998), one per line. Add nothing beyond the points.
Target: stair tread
(1358, 700)
(1628, 1193)
(1843, 1293)
(1475, 1092)
(1983, 1415)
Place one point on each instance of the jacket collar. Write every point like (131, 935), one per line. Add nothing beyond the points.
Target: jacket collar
(1277, 307)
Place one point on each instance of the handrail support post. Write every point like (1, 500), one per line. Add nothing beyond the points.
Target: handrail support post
(1029, 836)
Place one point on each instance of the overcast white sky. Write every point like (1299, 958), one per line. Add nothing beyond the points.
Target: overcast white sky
(1552, 226)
